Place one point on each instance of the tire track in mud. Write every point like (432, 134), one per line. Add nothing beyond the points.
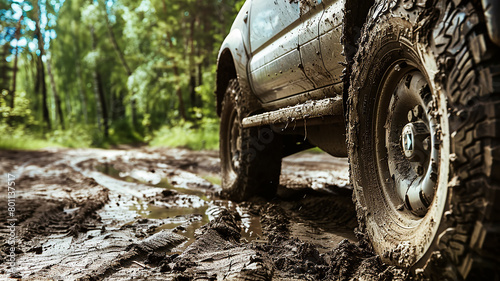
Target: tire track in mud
(88, 214)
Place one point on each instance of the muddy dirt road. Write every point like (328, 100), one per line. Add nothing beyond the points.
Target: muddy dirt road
(155, 214)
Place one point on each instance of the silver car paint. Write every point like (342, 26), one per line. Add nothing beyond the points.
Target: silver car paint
(237, 43)
(330, 30)
(310, 49)
(277, 69)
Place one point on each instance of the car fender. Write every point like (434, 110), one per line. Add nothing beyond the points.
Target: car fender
(232, 60)
(235, 45)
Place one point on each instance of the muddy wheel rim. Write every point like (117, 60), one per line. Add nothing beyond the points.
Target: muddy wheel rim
(407, 145)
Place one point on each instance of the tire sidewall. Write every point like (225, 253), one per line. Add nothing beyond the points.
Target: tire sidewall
(229, 112)
(260, 153)
(396, 244)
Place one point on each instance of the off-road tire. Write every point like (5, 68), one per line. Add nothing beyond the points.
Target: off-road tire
(258, 151)
(449, 44)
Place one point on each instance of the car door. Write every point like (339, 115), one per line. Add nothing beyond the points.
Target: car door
(311, 13)
(330, 33)
(275, 68)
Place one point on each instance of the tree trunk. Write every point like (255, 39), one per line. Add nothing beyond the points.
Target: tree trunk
(41, 86)
(133, 112)
(4, 69)
(192, 89)
(200, 82)
(97, 100)
(81, 93)
(192, 74)
(200, 74)
(102, 98)
(112, 38)
(56, 95)
(178, 90)
(98, 91)
(13, 91)
(199, 71)
(179, 95)
(79, 80)
(69, 104)
(123, 62)
(31, 70)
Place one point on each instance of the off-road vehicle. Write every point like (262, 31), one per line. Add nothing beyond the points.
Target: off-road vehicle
(408, 90)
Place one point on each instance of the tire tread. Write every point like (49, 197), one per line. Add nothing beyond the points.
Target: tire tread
(470, 74)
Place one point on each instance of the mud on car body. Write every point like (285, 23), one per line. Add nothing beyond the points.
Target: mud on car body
(409, 90)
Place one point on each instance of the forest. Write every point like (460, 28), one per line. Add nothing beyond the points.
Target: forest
(80, 73)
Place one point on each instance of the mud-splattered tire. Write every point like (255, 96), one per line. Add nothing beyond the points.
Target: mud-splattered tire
(429, 64)
(250, 158)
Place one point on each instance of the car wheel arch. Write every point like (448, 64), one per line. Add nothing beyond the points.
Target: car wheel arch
(225, 72)
(353, 22)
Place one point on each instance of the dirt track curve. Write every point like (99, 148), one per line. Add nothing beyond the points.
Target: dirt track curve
(155, 214)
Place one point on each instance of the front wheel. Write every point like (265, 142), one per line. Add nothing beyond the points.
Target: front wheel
(423, 139)
(250, 158)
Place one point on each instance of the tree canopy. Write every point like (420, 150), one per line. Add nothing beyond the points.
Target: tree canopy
(111, 67)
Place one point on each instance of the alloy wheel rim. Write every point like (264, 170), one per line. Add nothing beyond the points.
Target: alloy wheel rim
(408, 146)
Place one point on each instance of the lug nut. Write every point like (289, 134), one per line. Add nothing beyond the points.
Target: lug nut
(418, 111)
(419, 170)
(426, 144)
(410, 116)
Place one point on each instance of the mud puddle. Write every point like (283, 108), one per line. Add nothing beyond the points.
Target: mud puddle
(150, 178)
(181, 209)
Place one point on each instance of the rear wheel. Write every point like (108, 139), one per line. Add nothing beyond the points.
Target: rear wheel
(424, 141)
(250, 158)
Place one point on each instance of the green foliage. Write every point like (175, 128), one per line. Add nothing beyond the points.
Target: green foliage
(146, 69)
(206, 92)
(188, 135)
(19, 130)
(22, 141)
(122, 133)
(26, 139)
(18, 117)
(74, 137)
(92, 15)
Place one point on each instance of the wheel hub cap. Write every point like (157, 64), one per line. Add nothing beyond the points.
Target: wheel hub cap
(411, 142)
(408, 140)
(415, 139)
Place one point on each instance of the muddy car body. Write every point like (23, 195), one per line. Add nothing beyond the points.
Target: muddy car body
(408, 90)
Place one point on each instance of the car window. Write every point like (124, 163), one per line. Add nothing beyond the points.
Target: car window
(269, 17)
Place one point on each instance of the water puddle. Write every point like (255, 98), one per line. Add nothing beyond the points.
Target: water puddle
(110, 170)
(186, 211)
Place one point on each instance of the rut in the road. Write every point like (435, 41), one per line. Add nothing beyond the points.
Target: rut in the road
(161, 241)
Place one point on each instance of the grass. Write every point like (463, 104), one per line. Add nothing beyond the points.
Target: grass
(25, 143)
(213, 179)
(75, 137)
(196, 137)
(203, 136)
(24, 140)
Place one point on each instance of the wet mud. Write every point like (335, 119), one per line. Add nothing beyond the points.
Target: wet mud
(156, 214)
